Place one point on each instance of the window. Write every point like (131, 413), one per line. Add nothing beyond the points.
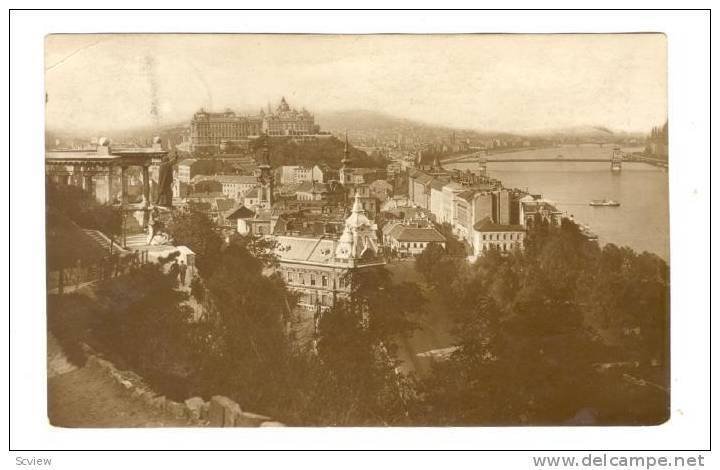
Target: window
(302, 279)
(341, 282)
(324, 281)
(484, 236)
(290, 277)
(312, 279)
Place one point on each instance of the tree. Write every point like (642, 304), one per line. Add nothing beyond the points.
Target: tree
(142, 319)
(81, 207)
(428, 260)
(244, 351)
(196, 231)
(532, 347)
(357, 345)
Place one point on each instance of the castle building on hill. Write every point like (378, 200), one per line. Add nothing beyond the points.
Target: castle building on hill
(211, 131)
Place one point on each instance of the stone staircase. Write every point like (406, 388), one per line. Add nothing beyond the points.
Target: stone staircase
(102, 240)
(135, 240)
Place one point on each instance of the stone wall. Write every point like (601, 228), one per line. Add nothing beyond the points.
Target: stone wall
(220, 411)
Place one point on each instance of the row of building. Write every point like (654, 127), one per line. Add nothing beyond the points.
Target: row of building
(480, 211)
(211, 131)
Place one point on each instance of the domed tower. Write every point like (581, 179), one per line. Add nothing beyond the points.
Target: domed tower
(359, 238)
(266, 177)
(103, 146)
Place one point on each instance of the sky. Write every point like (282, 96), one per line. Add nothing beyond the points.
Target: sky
(511, 83)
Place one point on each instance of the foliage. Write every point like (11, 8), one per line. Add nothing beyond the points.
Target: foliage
(196, 231)
(356, 348)
(260, 248)
(542, 336)
(455, 247)
(242, 351)
(139, 322)
(81, 207)
(141, 319)
(327, 151)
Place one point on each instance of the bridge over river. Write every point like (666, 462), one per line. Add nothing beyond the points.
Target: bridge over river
(481, 157)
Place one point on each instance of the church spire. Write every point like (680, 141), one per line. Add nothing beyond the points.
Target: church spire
(266, 178)
(265, 153)
(357, 205)
(346, 153)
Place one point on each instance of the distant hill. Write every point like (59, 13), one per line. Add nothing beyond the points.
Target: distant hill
(584, 133)
(362, 120)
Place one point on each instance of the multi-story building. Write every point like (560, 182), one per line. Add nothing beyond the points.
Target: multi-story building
(534, 208)
(233, 186)
(489, 235)
(317, 267)
(186, 170)
(292, 174)
(447, 212)
(463, 215)
(286, 121)
(214, 131)
(419, 188)
(410, 238)
(211, 130)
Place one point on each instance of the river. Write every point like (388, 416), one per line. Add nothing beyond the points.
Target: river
(641, 222)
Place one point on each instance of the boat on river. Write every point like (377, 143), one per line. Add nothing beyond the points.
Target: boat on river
(604, 203)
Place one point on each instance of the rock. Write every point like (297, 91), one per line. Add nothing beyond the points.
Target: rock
(105, 365)
(272, 424)
(194, 407)
(139, 393)
(222, 411)
(175, 408)
(92, 362)
(250, 420)
(148, 397)
(159, 403)
(127, 384)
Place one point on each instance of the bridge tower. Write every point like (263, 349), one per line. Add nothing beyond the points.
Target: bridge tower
(616, 162)
(482, 165)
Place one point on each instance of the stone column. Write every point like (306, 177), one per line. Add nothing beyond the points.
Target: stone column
(87, 183)
(146, 193)
(108, 187)
(123, 185)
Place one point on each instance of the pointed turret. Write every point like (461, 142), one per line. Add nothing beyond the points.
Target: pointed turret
(346, 160)
(266, 176)
(357, 207)
(436, 164)
(265, 153)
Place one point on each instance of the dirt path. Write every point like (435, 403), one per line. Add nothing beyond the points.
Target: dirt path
(87, 398)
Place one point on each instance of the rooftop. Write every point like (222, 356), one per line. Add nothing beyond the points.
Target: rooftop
(404, 233)
(487, 225)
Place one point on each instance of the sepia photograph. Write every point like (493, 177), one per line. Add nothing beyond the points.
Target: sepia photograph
(313, 230)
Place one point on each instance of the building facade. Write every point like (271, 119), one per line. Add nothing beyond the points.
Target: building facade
(286, 121)
(410, 239)
(317, 267)
(212, 131)
(489, 235)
